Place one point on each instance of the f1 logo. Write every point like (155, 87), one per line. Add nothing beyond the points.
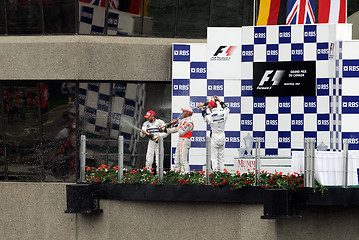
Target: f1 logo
(272, 77)
(228, 52)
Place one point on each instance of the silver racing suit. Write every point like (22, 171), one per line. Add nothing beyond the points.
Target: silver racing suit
(152, 147)
(217, 120)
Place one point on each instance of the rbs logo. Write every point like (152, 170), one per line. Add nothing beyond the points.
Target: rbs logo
(215, 87)
(181, 87)
(181, 52)
(198, 70)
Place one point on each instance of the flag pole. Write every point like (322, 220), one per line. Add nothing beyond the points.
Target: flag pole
(346, 11)
(254, 12)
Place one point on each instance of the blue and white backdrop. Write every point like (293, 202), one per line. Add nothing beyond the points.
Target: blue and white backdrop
(224, 67)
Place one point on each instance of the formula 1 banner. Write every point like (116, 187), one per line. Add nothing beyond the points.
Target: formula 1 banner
(224, 53)
(284, 79)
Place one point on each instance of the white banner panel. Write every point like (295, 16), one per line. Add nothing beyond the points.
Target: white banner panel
(224, 53)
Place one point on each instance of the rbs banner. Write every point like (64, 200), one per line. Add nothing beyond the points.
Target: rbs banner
(284, 79)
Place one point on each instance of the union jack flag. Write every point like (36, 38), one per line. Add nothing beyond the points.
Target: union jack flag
(113, 4)
(300, 12)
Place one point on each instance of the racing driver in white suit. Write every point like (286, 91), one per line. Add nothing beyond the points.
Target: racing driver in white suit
(217, 120)
(185, 130)
(151, 126)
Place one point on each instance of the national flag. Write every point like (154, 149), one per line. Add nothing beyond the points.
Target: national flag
(300, 12)
(271, 12)
(331, 11)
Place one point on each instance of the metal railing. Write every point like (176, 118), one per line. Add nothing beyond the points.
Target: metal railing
(309, 160)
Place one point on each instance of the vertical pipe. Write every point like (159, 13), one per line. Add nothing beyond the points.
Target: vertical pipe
(254, 12)
(312, 170)
(160, 161)
(345, 162)
(258, 164)
(306, 152)
(82, 158)
(208, 158)
(120, 159)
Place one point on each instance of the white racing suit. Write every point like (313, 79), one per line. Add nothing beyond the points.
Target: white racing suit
(185, 130)
(217, 120)
(152, 147)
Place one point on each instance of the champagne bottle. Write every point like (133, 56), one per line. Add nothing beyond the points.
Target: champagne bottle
(152, 137)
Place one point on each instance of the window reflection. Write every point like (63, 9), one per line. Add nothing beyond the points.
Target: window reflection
(162, 14)
(59, 16)
(226, 13)
(22, 132)
(58, 114)
(24, 17)
(193, 18)
(125, 18)
(92, 17)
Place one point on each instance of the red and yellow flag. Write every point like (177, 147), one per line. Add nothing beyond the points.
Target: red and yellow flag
(271, 12)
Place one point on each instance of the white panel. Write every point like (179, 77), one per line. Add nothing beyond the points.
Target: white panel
(272, 34)
(297, 140)
(310, 122)
(297, 34)
(260, 53)
(197, 156)
(198, 52)
(350, 123)
(310, 51)
(199, 123)
(271, 105)
(284, 123)
(344, 32)
(258, 122)
(297, 105)
(272, 139)
(232, 88)
(179, 102)
(322, 69)
(180, 70)
(284, 52)
(198, 87)
(351, 50)
(322, 33)
(323, 137)
(247, 70)
(323, 104)
(247, 35)
(233, 122)
(246, 105)
(350, 86)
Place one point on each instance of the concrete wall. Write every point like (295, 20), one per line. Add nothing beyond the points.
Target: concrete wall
(36, 211)
(86, 58)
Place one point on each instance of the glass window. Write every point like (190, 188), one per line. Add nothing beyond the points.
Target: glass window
(193, 18)
(58, 115)
(125, 18)
(92, 17)
(59, 16)
(161, 13)
(247, 19)
(226, 13)
(3, 165)
(107, 110)
(24, 17)
(2, 17)
(22, 131)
